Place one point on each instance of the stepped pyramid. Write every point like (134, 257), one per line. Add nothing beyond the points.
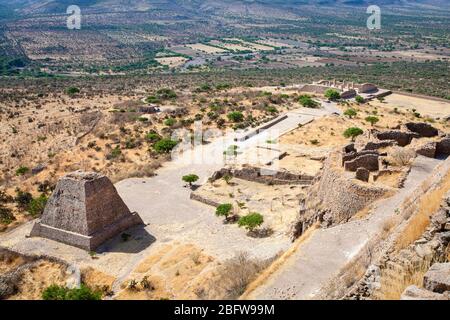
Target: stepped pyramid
(84, 211)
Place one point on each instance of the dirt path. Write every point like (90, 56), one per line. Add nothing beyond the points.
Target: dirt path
(329, 250)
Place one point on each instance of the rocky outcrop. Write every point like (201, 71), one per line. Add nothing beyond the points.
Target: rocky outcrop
(334, 197)
(362, 174)
(423, 129)
(437, 279)
(427, 150)
(416, 293)
(84, 211)
(368, 161)
(262, 175)
(402, 138)
(375, 145)
(443, 147)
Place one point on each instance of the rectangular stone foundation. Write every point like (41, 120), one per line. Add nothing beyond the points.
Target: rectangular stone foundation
(90, 242)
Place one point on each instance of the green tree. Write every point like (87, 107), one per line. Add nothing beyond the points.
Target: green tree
(353, 132)
(235, 116)
(360, 99)
(164, 145)
(190, 178)
(170, 122)
(224, 210)
(332, 94)
(152, 137)
(372, 120)
(251, 221)
(350, 112)
(166, 94)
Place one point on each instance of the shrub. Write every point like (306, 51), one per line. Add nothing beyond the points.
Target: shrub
(251, 221)
(170, 122)
(152, 137)
(165, 94)
(153, 99)
(72, 91)
(116, 152)
(23, 199)
(360, 99)
(164, 145)
(353, 132)
(55, 292)
(37, 205)
(224, 210)
(235, 116)
(307, 102)
(190, 178)
(22, 170)
(332, 94)
(271, 109)
(6, 215)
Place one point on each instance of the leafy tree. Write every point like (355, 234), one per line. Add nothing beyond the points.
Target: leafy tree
(360, 99)
(307, 102)
(372, 120)
(55, 292)
(190, 178)
(224, 210)
(353, 132)
(251, 221)
(350, 112)
(332, 94)
(235, 116)
(164, 145)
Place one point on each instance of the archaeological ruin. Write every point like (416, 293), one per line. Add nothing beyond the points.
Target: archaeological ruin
(84, 211)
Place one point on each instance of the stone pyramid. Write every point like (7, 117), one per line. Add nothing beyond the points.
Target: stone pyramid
(84, 211)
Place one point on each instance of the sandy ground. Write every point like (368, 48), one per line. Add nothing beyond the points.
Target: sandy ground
(278, 204)
(172, 62)
(431, 108)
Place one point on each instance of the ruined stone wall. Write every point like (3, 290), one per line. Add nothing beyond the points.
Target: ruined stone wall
(335, 197)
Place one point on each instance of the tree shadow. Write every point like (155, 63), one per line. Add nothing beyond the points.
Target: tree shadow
(133, 240)
(261, 233)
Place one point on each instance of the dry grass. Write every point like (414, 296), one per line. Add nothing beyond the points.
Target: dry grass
(393, 287)
(428, 205)
(278, 263)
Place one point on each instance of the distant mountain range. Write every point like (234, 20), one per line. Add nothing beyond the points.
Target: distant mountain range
(59, 6)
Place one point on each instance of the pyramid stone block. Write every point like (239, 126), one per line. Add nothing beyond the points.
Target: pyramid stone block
(84, 211)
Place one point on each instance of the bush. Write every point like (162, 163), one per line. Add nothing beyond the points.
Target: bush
(153, 99)
(353, 132)
(307, 102)
(55, 292)
(115, 153)
(360, 99)
(6, 215)
(37, 205)
(22, 171)
(152, 137)
(235, 116)
(165, 94)
(251, 221)
(170, 122)
(72, 91)
(224, 210)
(164, 145)
(23, 199)
(332, 94)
